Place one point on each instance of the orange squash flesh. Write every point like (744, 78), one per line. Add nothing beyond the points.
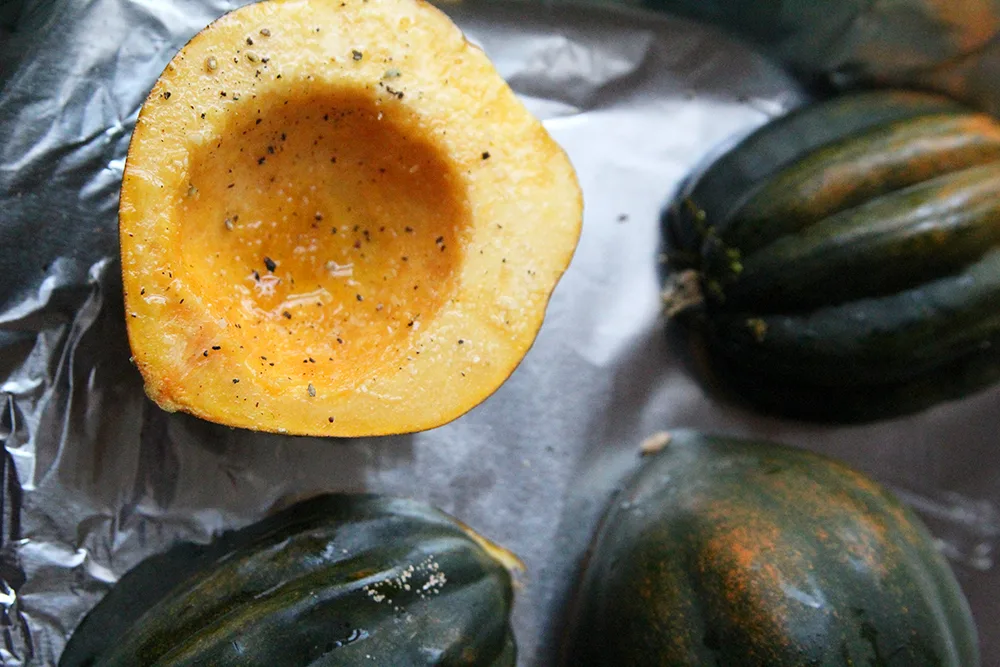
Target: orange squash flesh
(337, 219)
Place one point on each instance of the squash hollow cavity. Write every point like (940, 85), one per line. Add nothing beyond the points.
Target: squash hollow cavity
(335, 232)
(337, 219)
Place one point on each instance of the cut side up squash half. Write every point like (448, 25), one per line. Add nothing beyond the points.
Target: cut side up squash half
(337, 219)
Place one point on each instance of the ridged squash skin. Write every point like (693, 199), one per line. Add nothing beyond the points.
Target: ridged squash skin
(846, 258)
(941, 45)
(333, 580)
(739, 553)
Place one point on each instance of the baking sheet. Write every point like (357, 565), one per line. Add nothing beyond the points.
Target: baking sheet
(95, 477)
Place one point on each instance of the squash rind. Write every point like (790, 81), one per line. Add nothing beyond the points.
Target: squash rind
(717, 190)
(338, 578)
(851, 305)
(744, 553)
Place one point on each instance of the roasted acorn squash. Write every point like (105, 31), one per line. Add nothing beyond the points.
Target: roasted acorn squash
(943, 45)
(333, 580)
(845, 258)
(721, 551)
(337, 219)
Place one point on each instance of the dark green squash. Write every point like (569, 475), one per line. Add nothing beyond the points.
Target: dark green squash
(846, 258)
(334, 580)
(750, 554)
(949, 46)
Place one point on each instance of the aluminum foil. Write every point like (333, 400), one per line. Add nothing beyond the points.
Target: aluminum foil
(95, 478)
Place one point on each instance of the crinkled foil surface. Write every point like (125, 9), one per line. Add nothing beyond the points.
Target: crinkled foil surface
(95, 478)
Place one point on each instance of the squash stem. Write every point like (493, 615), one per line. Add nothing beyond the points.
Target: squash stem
(682, 292)
(507, 559)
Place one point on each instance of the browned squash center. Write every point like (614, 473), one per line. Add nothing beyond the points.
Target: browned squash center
(334, 232)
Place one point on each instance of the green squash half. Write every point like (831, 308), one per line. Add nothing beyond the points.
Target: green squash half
(333, 580)
(843, 262)
(735, 553)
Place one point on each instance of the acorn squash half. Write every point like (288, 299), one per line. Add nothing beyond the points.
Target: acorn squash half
(333, 580)
(842, 263)
(729, 552)
(337, 219)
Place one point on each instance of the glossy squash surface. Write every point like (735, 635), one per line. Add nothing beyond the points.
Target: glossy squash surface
(333, 580)
(846, 258)
(750, 554)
